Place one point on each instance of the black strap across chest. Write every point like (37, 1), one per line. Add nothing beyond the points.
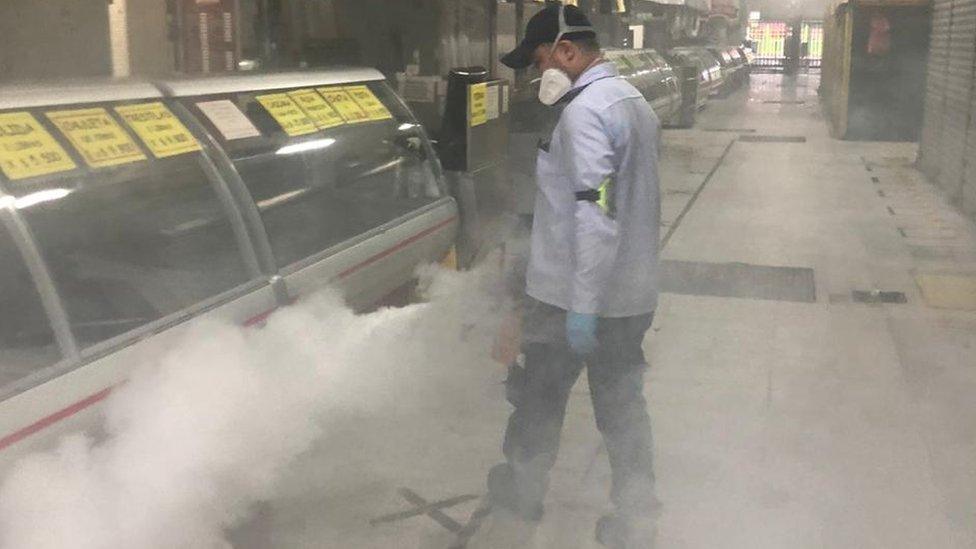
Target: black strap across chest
(575, 92)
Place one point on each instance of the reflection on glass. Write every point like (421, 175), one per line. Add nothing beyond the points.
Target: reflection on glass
(130, 244)
(318, 190)
(306, 146)
(26, 340)
(39, 197)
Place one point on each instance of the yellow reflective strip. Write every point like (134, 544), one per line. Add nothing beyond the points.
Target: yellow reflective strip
(604, 201)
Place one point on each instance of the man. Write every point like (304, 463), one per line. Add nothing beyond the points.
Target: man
(591, 279)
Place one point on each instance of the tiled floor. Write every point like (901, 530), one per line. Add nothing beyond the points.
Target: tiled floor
(778, 423)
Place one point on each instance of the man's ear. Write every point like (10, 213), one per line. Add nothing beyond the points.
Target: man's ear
(566, 51)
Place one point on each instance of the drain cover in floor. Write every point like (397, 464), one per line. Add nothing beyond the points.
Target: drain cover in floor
(772, 139)
(948, 291)
(932, 252)
(877, 296)
(739, 280)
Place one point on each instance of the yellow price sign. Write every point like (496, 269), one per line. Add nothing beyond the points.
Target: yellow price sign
(28, 150)
(97, 137)
(365, 98)
(159, 129)
(317, 109)
(289, 115)
(344, 104)
(478, 104)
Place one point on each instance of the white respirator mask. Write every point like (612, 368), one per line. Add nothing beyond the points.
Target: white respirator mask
(555, 83)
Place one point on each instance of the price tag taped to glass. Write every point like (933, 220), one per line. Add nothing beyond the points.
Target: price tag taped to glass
(317, 109)
(28, 150)
(289, 116)
(374, 108)
(97, 137)
(159, 129)
(344, 104)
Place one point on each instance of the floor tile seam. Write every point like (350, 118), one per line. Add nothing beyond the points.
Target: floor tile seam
(694, 197)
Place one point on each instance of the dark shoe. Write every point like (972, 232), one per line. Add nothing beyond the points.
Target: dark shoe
(616, 532)
(503, 492)
(609, 532)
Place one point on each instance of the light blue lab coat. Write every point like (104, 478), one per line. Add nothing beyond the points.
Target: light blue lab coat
(584, 257)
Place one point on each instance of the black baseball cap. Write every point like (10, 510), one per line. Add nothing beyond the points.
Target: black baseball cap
(545, 27)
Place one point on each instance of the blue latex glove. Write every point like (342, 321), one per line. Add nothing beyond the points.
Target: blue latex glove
(581, 332)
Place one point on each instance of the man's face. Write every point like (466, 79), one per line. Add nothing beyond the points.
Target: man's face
(541, 58)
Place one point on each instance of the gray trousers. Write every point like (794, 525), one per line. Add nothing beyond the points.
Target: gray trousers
(540, 390)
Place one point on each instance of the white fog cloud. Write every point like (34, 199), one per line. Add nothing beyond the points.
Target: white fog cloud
(200, 435)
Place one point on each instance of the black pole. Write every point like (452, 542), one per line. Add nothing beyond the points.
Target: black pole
(519, 34)
(519, 20)
(492, 7)
(268, 11)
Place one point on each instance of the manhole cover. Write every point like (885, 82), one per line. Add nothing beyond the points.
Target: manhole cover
(739, 280)
(944, 291)
(932, 252)
(878, 296)
(772, 139)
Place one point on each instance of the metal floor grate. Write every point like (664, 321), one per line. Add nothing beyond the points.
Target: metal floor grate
(739, 280)
(877, 296)
(772, 139)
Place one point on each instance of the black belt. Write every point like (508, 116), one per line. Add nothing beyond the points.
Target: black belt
(589, 195)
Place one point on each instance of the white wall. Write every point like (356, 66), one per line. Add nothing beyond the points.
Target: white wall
(48, 39)
(787, 9)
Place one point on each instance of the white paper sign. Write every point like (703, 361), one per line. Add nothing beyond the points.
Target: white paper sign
(491, 102)
(419, 89)
(505, 99)
(228, 119)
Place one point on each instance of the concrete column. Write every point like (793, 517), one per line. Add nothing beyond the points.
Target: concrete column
(118, 33)
(138, 34)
